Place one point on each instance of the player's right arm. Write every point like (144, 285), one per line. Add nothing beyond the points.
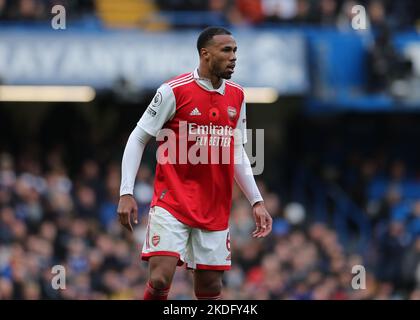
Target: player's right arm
(160, 110)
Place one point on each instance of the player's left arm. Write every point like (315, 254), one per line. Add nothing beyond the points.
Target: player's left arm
(245, 180)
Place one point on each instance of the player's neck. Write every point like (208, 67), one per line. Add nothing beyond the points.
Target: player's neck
(204, 73)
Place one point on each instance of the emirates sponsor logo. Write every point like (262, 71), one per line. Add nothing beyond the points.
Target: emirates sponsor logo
(212, 129)
(209, 143)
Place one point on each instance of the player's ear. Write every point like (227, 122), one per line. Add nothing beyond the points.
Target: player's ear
(204, 52)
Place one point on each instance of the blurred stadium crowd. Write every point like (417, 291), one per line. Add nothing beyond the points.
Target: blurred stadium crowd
(52, 215)
(242, 13)
(48, 217)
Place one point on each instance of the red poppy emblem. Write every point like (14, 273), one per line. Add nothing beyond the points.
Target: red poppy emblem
(214, 114)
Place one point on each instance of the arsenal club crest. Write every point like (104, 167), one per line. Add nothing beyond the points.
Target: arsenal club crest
(155, 240)
(231, 112)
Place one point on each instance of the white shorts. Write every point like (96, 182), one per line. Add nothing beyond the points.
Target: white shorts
(199, 249)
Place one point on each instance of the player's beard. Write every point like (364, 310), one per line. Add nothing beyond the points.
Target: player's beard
(224, 74)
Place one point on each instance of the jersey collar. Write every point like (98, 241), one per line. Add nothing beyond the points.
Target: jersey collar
(206, 83)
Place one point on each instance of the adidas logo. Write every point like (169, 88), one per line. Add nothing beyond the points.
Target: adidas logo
(195, 112)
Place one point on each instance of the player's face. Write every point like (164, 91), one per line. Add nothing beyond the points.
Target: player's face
(222, 56)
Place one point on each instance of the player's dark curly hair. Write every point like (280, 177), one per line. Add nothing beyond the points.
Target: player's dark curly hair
(207, 35)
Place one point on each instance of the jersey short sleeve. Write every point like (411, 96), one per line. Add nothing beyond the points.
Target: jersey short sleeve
(240, 132)
(161, 109)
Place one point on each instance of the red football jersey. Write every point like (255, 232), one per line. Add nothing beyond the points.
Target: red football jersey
(195, 169)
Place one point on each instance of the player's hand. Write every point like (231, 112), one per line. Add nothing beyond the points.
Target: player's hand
(127, 209)
(263, 220)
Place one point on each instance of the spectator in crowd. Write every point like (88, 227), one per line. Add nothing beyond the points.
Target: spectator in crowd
(328, 12)
(385, 64)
